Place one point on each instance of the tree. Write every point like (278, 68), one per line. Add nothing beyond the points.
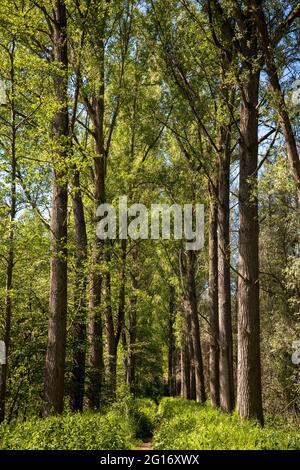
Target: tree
(10, 257)
(55, 358)
(268, 43)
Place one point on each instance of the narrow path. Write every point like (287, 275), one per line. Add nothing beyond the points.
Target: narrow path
(146, 445)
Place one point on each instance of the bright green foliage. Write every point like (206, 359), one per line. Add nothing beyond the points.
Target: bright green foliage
(189, 425)
(71, 432)
(144, 415)
(116, 429)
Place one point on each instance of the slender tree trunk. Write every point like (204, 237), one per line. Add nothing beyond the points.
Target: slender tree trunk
(171, 348)
(94, 333)
(111, 339)
(55, 358)
(132, 343)
(11, 254)
(95, 327)
(195, 327)
(185, 354)
(178, 373)
(214, 384)
(191, 353)
(224, 288)
(95, 366)
(114, 332)
(125, 355)
(249, 395)
(182, 368)
(80, 302)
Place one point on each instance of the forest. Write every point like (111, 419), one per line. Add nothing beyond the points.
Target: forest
(113, 337)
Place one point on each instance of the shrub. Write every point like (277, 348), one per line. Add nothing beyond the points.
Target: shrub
(116, 428)
(89, 431)
(144, 417)
(187, 425)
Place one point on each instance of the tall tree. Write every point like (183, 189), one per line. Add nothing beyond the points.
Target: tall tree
(80, 295)
(10, 49)
(95, 109)
(214, 376)
(224, 281)
(249, 395)
(195, 328)
(55, 358)
(171, 344)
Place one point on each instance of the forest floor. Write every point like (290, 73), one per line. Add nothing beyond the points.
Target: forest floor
(139, 424)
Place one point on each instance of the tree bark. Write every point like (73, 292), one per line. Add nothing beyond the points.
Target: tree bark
(132, 342)
(129, 344)
(55, 357)
(214, 384)
(249, 395)
(171, 345)
(80, 303)
(95, 365)
(125, 355)
(11, 254)
(94, 327)
(224, 288)
(111, 339)
(195, 327)
(185, 364)
(191, 353)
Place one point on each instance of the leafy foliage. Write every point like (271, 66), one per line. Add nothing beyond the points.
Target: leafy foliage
(118, 428)
(189, 425)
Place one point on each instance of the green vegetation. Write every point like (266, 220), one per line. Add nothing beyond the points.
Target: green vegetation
(143, 411)
(188, 425)
(119, 428)
(159, 109)
(175, 424)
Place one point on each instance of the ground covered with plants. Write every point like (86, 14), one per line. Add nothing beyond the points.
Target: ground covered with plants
(187, 425)
(119, 427)
(176, 424)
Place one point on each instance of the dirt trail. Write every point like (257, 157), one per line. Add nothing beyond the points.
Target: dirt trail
(146, 445)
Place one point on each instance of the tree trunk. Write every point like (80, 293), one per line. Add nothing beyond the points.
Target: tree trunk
(132, 343)
(114, 331)
(95, 367)
(195, 327)
(125, 355)
(10, 255)
(191, 353)
(80, 305)
(111, 339)
(171, 344)
(94, 328)
(185, 353)
(249, 397)
(214, 312)
(224, 288)
(55, 358)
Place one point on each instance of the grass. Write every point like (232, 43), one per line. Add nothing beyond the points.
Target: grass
(187, 425)
(120, 427)
(177, 425)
